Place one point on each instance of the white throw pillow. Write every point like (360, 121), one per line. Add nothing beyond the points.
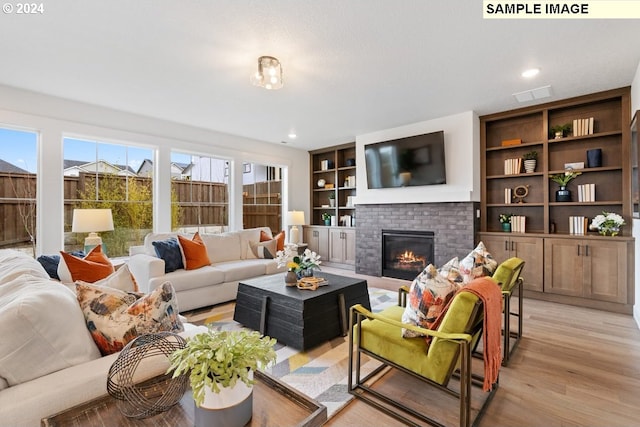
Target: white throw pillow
(42, 329)
(121, 279)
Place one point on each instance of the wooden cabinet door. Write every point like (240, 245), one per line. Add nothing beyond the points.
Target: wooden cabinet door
(317, 239)
(498, 246)
(349, 247)
(336, 246)
(531, 250)
(605, 274)
(563, 270)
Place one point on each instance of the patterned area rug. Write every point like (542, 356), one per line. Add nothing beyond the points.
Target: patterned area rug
(320, 373)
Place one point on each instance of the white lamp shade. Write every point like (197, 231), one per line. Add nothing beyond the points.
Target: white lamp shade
(295, 218)
(91, 220)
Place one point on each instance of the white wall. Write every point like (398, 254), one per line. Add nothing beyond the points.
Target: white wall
(462, 157)
(55, 118)
(635, 105)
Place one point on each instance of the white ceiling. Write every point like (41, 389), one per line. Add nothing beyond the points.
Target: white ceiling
(350, 66)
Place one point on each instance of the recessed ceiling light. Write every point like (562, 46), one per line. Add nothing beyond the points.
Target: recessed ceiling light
(292, 135)
(532, 72)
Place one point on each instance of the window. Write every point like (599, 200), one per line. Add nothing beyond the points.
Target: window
(18, 179)
(200, 187)
(102, 175)
(262, 197)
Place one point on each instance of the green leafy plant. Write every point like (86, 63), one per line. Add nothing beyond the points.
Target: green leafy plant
(332, 195)
(531, 155)
(560, 128)
(563, 179)
(325, 216)
(216, 359)
(505, 218)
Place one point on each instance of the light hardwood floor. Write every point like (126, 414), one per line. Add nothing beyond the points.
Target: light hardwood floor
(574, 367)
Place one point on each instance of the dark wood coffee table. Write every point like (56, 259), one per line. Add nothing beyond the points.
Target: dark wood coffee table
(274, 404)
(299, 318)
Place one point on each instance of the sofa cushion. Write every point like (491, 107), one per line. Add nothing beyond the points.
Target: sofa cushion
(428, 296)
(94, 266)
(264, 250)
(42, 329)
(478, 263)
(121, 279)
(280, 238)
(223, 247)
(248, 236)
(170, 252)
(183, 280)
(194, 252)
(244, 269)
(16, 264)
(114, 317)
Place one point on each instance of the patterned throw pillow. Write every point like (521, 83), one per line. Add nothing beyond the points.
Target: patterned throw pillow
(264, 249)
(169, 251)
(115, 317)
(451, 271)
(194, 251)
(478, 263)
(428, 296)
(93, 267)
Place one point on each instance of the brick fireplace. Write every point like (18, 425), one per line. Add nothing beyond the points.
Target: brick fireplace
(454, 226)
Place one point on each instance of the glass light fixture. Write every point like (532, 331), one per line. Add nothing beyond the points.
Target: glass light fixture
(269, 74)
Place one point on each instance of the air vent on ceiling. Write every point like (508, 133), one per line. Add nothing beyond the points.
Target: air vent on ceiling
(530, 95)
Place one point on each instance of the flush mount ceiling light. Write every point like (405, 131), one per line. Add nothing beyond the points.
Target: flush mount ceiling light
(269, 74)
(532, 72)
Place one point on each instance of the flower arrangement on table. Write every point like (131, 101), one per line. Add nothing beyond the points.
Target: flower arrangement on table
(608, 223)
(302, 265)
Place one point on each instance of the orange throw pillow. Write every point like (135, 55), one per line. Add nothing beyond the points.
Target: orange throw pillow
(194, 251)
(93, 267)
(279, 238)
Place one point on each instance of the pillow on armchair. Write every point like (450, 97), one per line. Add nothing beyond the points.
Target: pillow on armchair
(478, 263)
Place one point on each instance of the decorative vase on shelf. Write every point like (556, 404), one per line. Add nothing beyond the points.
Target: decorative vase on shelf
(332, 202)
(291, 278)
(530, 166)
(563, 195)
(506, 227)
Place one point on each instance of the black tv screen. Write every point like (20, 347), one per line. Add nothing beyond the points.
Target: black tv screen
(406, 162)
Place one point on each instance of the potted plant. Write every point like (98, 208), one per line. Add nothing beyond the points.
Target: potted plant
(220, 366)
(505, 220)
(560, 131)
(326, 217)
(608, 223)
(332, 198)
(562, 179)
(530, 160)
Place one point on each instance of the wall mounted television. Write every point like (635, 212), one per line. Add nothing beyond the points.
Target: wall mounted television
(405, 162)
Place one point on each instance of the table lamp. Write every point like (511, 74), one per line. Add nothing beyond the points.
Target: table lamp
(91, 221)
(295, 218)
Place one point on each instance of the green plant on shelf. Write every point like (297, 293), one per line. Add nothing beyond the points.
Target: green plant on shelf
(531, 155)
(560, 129)
(562, 179)
(505, 218)
(326, 216)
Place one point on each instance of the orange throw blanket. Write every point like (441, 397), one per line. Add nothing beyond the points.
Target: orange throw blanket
(489, 292)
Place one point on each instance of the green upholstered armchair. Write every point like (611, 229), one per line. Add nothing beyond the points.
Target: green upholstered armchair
(508, 275)
(449, 354)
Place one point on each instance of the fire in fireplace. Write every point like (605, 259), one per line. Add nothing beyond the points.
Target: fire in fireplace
(406, 253)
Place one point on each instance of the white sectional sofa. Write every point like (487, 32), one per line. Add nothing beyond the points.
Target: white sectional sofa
(48, 360)
(231, 261)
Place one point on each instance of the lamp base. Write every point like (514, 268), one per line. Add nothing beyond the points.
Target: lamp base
(294, 235)
(91, 241)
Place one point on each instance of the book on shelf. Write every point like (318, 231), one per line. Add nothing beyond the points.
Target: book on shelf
(512, 166)
(518, 223)
(586, 193)
(583, 127)
(578, 225)
(507, 196)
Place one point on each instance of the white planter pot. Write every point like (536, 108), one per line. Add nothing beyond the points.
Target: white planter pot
(232, 407)
(529, 166)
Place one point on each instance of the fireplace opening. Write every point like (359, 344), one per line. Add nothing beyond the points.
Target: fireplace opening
(406, 253)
